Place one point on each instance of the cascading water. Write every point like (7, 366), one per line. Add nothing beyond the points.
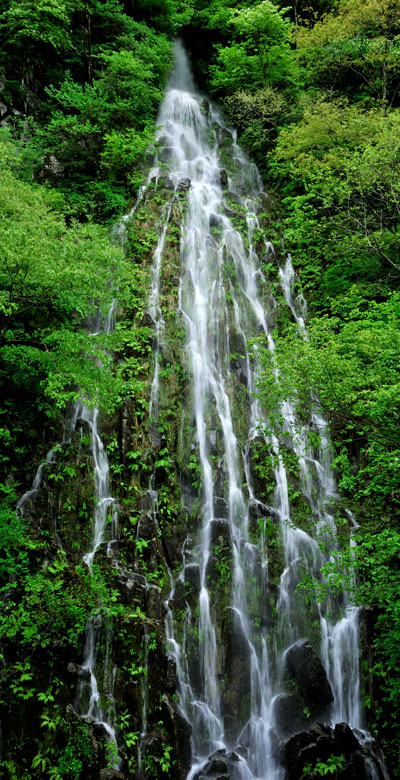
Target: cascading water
(94, 699)
(231, 658)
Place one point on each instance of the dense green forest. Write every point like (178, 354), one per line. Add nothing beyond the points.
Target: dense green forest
(313, 90)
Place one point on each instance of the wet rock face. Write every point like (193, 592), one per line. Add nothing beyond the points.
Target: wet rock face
(223, 177)
(305, 667)
(289, 714)
(179, 731)
(237, 683)
(175, 734)
(350, 758)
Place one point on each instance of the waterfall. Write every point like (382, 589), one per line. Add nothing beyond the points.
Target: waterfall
(232, 658)
(262, 504)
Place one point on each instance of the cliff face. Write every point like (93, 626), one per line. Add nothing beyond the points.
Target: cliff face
(170, 537)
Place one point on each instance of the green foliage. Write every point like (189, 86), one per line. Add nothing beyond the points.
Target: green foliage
(261, 53)
(351, 366)
(29, 22)
(346, 164)
(94, 115)
(331, 766)
(52, 274)
(356, 40)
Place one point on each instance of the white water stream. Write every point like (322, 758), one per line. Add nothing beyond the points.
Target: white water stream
(221, 304)
(95, 693)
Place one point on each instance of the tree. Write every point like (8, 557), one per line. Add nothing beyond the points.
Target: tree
(260, 55)
(346, 162)
(361, 38)
(51, 278)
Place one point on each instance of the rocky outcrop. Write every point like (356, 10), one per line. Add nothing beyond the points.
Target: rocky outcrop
(220, 766)
(349, 756)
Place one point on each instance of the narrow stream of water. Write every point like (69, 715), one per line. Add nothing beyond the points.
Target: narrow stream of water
(94, 699)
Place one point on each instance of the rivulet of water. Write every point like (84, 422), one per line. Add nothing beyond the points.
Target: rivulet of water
(222, 305)
(95, 690)
(95, 693)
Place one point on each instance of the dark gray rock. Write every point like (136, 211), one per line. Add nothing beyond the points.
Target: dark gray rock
(220, 532)
(289, 715)
(215, 221)
(167, 183)
(178, 602)
(172, 546)
(155, 434)
(111, 774)
(132, 588)
(223, 179)
(71, 714)
(165, 154)
(236, 702)
(184, 185)
(344, 735)
(220, 507)
(192, 583)
(320, 743)
(212, 442)
(305, 667)
(78, 670)
(154, 603)
(170, 678)
(146, 501)
(146, 528)
(220, 766)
